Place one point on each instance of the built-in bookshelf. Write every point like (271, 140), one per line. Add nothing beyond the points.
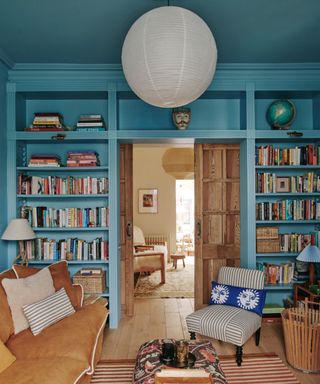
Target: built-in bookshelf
(62, 177)
(232, 110)
(287, 203)
(67, 206)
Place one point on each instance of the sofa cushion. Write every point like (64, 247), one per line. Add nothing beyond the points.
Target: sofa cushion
(6, 357)
(25, 291)
(73, 337)
(55, 370)
(6, 328)
(48, 311)
(60, 275)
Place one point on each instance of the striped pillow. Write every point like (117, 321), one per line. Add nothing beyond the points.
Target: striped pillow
(48, 311)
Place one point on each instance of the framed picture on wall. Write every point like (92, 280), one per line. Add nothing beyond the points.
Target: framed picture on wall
(148, 201)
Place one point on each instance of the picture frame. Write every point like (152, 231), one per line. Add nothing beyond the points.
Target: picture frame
(283, 184)
(148, 200)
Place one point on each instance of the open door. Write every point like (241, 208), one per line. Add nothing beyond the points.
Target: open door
(217, 214)
(126, 234)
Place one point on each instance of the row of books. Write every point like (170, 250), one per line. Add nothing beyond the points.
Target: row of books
(288, 210)
(295, 242)
(271, 183)
(83, 159)
(277, 273)
(43, 248)
(38, 160)
(90, 123)
(54, 185)
(46, 122)
(45, 217)
(303, 155)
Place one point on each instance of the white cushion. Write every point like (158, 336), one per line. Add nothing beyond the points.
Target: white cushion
(138, 236)
(48, 311)
(25, 291)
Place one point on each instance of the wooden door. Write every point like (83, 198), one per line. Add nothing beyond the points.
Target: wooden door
(126, 233)
(217, 214)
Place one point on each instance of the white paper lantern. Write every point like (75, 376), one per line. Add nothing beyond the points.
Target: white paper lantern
(169, 57)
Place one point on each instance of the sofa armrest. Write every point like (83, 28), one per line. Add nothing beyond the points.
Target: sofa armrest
(78, 293)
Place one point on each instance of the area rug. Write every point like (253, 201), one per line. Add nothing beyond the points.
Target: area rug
(256, 369)
(179, 283)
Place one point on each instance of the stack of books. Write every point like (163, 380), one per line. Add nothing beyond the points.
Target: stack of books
(46, 121)
(44, 161)
(82, 159)
(90, 123)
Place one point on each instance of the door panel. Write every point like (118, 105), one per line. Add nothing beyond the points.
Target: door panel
(126, 236)
(217, 214)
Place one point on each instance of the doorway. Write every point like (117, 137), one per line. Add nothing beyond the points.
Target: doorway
(217, 214)
(156, 210)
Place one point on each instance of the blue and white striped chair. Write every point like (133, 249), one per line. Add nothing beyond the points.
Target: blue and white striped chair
(226, 323)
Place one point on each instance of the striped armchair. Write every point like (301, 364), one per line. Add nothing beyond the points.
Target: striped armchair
(226, 323)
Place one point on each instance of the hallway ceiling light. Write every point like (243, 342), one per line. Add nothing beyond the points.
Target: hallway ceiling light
(169, 57)
(179, 163)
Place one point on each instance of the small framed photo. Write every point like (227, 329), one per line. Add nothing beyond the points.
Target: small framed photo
(148, 201)
(283, 184)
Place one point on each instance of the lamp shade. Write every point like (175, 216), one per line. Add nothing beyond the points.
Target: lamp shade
(310, 254)
(169, 57)
(18, 229)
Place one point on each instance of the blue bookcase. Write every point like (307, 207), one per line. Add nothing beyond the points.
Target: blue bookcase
(232, 110)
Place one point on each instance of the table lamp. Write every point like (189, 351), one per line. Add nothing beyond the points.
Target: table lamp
(20, 230)
(310, 254)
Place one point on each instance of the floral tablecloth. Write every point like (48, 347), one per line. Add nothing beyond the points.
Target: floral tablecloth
(148, 361)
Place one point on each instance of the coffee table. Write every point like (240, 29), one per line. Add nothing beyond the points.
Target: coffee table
(148, 361)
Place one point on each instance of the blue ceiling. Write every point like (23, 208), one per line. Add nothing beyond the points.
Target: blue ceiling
(92, 31)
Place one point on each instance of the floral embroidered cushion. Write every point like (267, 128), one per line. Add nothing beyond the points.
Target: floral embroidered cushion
(250, 299)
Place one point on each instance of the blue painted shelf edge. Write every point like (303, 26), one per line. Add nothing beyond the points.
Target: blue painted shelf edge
(102, 195)
(73, 229)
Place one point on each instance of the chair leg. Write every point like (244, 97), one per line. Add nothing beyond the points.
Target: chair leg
(238, 355)
(192, 335)
(258, 336)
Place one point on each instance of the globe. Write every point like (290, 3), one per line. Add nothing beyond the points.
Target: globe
(281, 114)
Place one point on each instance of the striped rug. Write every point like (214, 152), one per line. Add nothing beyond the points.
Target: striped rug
(255, 369)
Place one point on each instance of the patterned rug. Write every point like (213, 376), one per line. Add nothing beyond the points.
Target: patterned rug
(179, 282)
(255, 370)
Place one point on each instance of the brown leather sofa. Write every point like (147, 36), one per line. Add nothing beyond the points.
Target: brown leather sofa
(65, 352)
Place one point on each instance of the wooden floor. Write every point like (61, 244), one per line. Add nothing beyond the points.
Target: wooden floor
(165, 318)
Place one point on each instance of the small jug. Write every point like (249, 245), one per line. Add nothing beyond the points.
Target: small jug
(182, 351)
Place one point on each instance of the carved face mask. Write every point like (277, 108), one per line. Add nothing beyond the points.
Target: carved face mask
(181, 118)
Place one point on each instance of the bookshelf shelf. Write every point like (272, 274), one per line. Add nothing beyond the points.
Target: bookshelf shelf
(287, 167)
(277, 254)
(73, 229)
(284, 287)
(100, 196)
(63, 169)
(71, 262)
(275, 222)
(298, 194)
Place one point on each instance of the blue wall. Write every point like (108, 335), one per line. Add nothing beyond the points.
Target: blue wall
(3, 164)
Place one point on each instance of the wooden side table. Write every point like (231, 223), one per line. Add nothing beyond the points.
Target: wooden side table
(303, 291)
(175, 258)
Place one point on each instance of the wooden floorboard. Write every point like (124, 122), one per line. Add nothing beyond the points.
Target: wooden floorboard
(165, 318)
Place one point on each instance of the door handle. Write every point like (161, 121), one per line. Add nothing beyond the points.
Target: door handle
(129, 230)
(198, 224)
